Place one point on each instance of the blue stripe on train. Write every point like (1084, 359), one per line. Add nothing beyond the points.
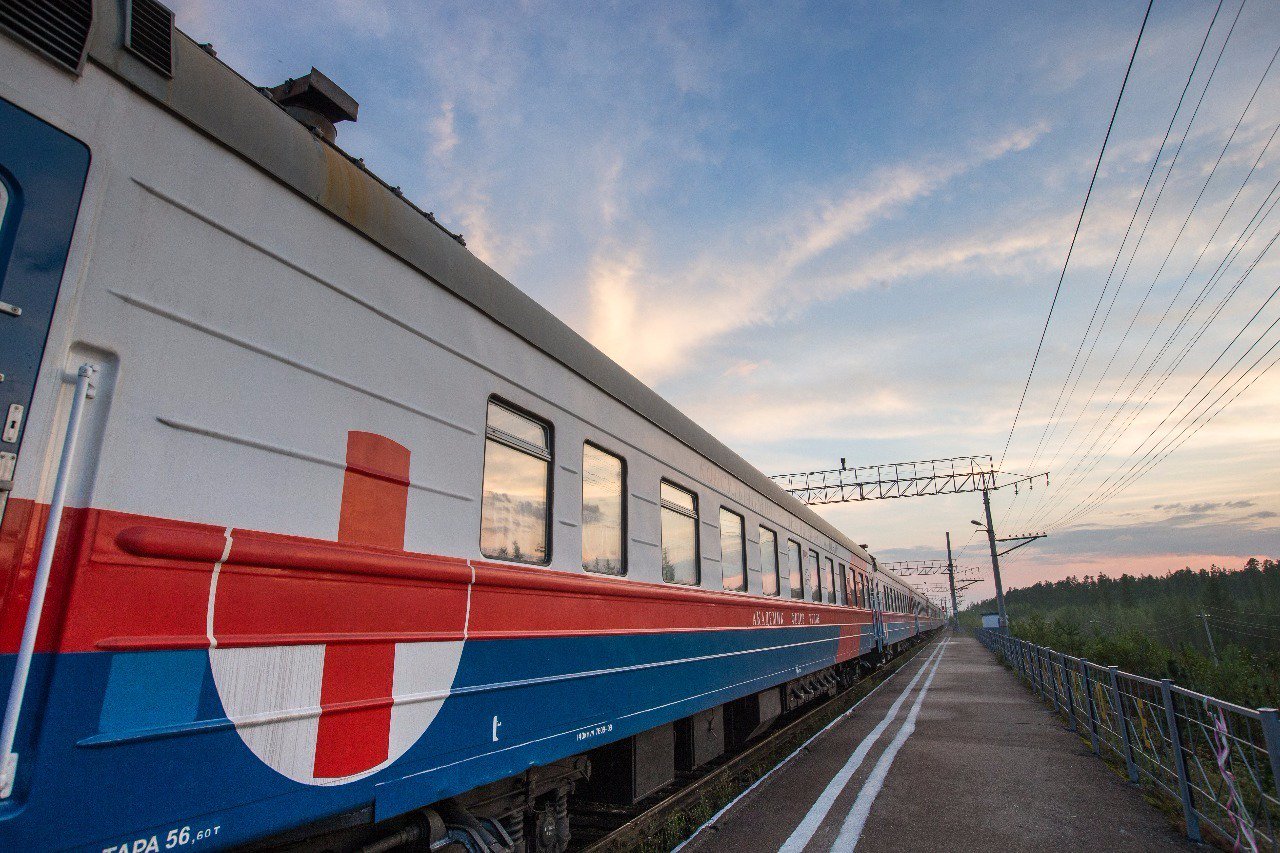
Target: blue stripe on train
(181, 764)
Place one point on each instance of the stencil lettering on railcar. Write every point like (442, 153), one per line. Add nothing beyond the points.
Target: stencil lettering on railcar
(174, 839)
(595, 731)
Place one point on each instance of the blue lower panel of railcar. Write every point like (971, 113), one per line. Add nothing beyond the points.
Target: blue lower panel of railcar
(134, 746)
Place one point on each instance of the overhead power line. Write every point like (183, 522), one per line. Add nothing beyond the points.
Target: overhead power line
(1134, 254)
(1052, 420)
(1126, 398)
(1076, 234)
(1087, 459)
(1184, 435)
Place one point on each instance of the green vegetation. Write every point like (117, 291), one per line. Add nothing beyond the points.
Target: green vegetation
(1153, 626)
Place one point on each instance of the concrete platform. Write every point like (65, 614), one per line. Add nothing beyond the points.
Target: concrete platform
(952, 753)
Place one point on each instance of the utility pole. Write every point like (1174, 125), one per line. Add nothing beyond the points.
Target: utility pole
(995, 562)
(1204, 617)
(951, 578)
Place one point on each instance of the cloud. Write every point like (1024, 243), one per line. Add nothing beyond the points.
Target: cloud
(742, 369)
(741, 280)
(443, 132)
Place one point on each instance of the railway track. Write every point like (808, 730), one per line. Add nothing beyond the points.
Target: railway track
(680, 809)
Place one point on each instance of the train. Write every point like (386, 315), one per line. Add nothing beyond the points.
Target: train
(316, 532)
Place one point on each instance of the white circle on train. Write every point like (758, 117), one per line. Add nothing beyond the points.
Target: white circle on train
(272, 694)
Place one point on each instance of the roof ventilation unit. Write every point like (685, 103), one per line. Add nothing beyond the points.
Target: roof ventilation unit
(315, 101)
(59, 29)
(148, 34)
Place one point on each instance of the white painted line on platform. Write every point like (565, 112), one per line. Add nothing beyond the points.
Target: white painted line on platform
(809, 825)
(715, 817)
(851, 832)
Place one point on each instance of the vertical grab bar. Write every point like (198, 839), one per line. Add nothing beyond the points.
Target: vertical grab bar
(35, 609)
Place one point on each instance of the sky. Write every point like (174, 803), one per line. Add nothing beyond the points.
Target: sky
(834, 230)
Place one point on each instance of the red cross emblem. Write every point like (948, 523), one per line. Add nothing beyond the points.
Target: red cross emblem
(283, 645)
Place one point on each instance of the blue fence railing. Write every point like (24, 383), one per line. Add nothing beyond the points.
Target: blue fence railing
(1220, 761)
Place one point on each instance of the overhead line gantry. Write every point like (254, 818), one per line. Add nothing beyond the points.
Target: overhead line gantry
(951, 476)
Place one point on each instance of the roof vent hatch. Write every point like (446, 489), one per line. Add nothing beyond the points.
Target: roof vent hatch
(315, 101)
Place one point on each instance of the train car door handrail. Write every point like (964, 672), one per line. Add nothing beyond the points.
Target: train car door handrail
(26, 650)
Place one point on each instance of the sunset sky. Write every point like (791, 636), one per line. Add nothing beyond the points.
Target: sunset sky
(834, 230)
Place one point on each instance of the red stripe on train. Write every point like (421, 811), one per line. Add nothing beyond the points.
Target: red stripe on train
(143, 582)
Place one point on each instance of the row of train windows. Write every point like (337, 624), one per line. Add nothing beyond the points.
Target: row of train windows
(515, 520)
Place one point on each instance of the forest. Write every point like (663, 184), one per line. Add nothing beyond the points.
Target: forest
(1214, 630)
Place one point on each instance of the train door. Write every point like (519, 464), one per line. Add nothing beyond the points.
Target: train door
(42, 175)
(877, 615)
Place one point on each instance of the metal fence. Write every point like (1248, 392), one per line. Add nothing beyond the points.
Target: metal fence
(1219, 760)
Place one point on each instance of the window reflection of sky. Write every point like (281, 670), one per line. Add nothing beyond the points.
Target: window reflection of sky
(602, 487)
(679, 547)
(513, 522)
(768, 561)
(731, 551)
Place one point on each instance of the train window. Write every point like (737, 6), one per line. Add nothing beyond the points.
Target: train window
(813, 579)
(679, 535)
(768, 561)
(842, 585)
(514, 517)
(604, 511)
(797, 573)
(828, 580)
(733, 551)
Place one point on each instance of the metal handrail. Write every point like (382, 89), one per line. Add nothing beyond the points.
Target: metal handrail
(35, 608)
(1219, 759)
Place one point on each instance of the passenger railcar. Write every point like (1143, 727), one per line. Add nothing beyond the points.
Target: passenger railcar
(310, 519)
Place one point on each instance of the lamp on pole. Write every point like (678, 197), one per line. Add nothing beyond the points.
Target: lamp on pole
(995, 559)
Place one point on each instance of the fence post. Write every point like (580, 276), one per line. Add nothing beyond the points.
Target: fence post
(1052, 678)
(1059, 677)
(1039, 652)
(1270, 718)
(1086, 686)
(1122, 717)
(1057, 669)
(1179, 761)
(1070, 697)
(1036, 674)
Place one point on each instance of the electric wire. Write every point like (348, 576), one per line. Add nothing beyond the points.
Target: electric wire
(1235, 630)
(1071, 477)
(1093, 430)
(1085, 462)
(1146, 225)
(1225, 350)
(1076, 234)
(1272, 628)
(1148, 462)
(1138, 474)
(1155, 162)
(1092, 461)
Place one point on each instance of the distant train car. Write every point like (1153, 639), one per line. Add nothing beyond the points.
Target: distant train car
(314, 527)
